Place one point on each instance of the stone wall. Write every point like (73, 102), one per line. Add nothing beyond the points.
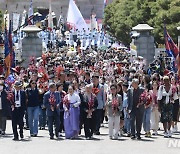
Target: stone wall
(31, 47)
(85, 6)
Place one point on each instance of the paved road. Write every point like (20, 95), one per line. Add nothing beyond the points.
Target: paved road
(101, 145)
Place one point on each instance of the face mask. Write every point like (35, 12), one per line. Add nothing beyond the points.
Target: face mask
(1, 88)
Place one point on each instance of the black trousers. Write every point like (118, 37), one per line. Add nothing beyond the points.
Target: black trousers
(89, 125)
(53, 120)
(17, 119)
(136, 119)
(61, 122)
(2, 121)
(99, 113)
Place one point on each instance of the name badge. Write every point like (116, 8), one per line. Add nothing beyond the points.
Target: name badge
(17, 104)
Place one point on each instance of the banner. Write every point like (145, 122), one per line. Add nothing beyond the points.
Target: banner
(75, 18)
(16, 17)
(23, 20)
(6, 20)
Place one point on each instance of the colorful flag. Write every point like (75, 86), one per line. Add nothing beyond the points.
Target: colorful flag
(9, 80)
(7, 61)
(74, 18)
(31, 14)
(171, 48)
(11, 49)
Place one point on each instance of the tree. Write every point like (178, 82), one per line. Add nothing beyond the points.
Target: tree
(122, 15)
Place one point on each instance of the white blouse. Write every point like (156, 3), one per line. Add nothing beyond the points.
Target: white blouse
(74, 99)
(162, 92)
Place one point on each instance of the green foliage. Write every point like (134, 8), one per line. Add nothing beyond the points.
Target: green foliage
(122, 15)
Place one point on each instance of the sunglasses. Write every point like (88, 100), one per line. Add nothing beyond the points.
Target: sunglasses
(33, 83)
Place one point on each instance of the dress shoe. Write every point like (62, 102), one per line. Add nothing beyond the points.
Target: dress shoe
(97, 133)
(138, 137)
(21, 136)
(51, 137)
(15, 139)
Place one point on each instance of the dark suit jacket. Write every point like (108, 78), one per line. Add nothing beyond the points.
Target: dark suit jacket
(130, 97)
(47, 103)
(5, 104)
(86, 106)
(23, 101)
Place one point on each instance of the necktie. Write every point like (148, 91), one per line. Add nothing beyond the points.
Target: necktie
(17, 96)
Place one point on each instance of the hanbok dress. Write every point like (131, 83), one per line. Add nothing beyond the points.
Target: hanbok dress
(71, 115)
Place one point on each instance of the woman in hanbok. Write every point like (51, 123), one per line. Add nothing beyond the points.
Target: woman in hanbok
(71, 113)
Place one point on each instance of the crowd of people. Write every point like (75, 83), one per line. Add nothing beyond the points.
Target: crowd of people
(71, 91)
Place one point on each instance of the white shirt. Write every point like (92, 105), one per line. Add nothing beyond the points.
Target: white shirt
(73, 99)
(17, 102)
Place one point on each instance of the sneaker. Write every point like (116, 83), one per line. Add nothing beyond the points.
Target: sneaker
(110, 137)
(154, 133)
(115, 137)
(165, 134)
(176, 128)
(3, 133)
(173, 130)
(128, 134)
(146, 134)
(149, 134)
(133, 137)
(169, 134)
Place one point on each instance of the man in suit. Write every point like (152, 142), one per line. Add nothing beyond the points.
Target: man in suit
(4, 108)
(52, 102)
(135, 110)
(100, 95)
(18, 108)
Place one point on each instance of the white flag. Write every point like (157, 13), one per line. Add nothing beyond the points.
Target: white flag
(94, 23)
(16, 17)
(50, 18)
(75, 18)
(6, 20)
(23, 20)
